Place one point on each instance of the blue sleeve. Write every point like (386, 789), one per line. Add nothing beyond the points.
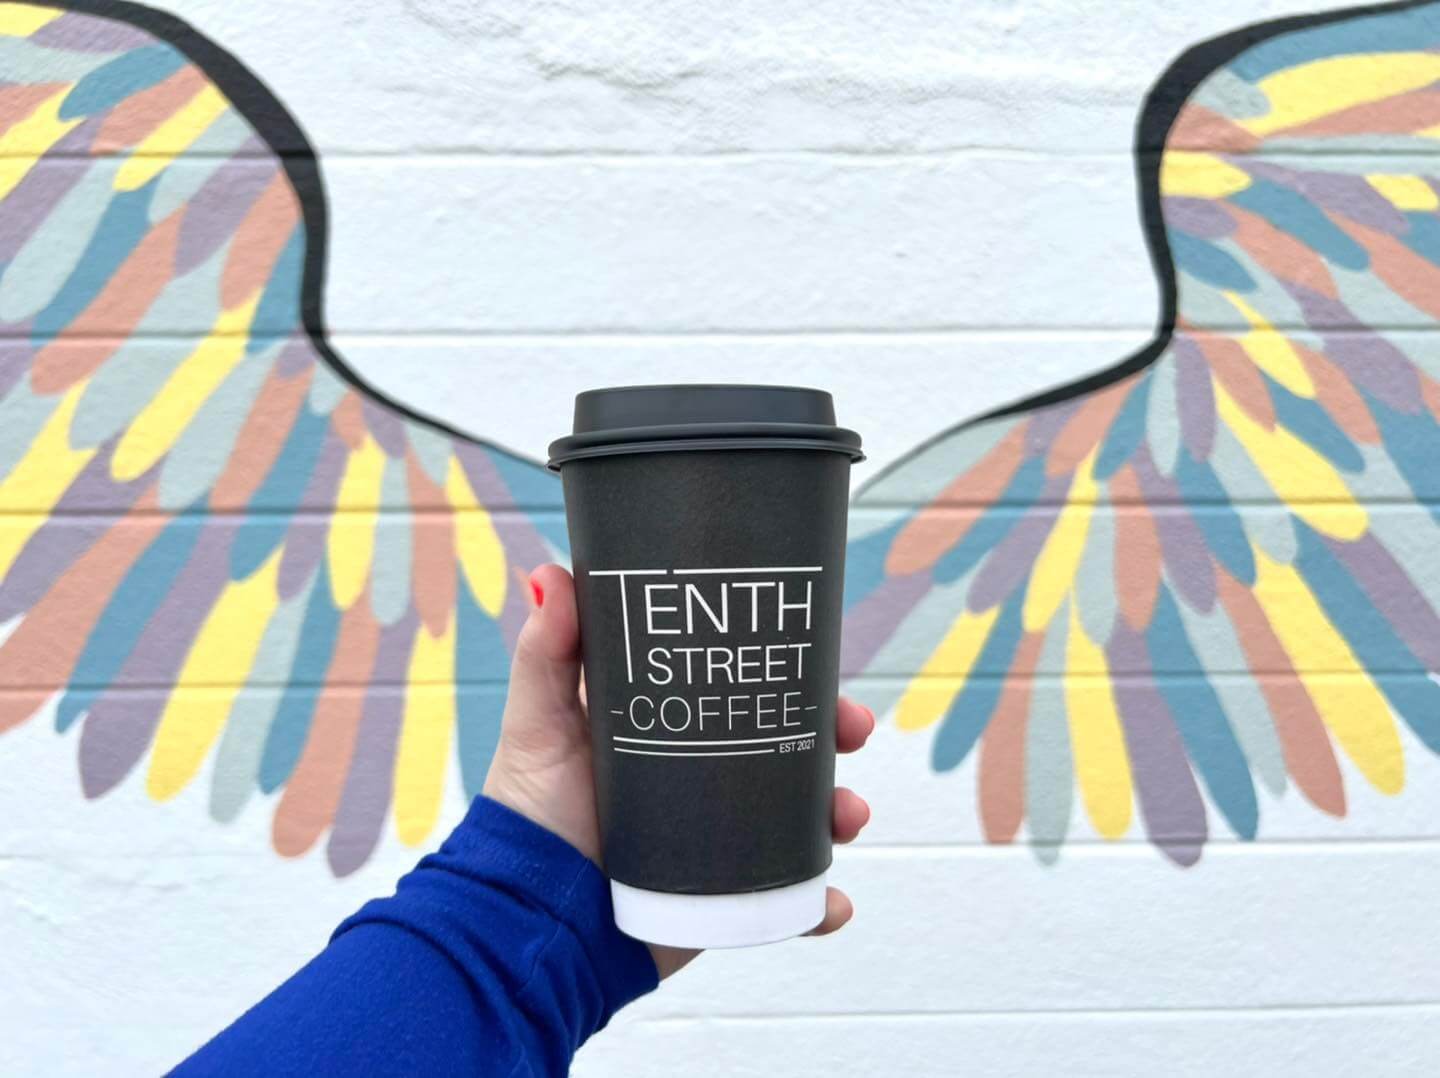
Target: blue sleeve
(497, 955)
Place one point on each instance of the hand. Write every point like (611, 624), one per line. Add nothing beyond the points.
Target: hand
(541, 767)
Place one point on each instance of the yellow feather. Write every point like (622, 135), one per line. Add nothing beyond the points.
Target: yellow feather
(1352, 707)
(1102, 763)
(172, 138)
(1309, 91)
(482, 556)
(214, 673)
(1409, 193)
(1199, 175)
(425, 734)
(1059, 559)
(1303, 480)
(44, 473)
(1272, 351)
(27, 141)
(22, 20)
(350, 544)
(162, 421)
(929, 694)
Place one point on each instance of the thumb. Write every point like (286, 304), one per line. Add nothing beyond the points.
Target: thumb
(545, 676)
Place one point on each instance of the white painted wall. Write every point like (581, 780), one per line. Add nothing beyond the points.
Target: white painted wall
(926, 207)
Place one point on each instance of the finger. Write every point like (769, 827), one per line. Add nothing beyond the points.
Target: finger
(849, 814)
(854, 723)
(546, 670)
(554, 625)
(838, 910)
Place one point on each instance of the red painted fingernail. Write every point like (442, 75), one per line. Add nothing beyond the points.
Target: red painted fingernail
(538, 592)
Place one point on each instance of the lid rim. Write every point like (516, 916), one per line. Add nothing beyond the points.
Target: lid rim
(712, 416)
(692, 445)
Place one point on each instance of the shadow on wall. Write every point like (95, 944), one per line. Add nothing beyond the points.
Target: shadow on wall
(1205, 566)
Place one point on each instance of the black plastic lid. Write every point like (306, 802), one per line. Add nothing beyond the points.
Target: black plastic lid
(653, 419)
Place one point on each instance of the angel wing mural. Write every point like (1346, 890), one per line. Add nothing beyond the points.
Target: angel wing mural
(224, 558)
(1213, 565)
(216, 543)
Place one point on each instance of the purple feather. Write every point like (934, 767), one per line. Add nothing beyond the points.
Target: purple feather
(1010, 563)
(1198, 217)
(1195, 397)
(873, 620)
(87, 33)
(368, 787)
(30, 204)
(1394, 595)
(298, 355)
(216, 210)
(304, 547)
(1188, 564)
(15, 355)
(483, 476)
(319, 494)
(387, 428)
(1371, 362)
(1042, 426)
(1348, 196)
(1170, 802)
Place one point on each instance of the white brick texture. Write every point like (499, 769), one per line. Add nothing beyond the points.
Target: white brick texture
(927, 206)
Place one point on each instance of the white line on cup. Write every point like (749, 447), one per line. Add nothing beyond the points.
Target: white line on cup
(649, 752)
(753, 569)
(727, 741)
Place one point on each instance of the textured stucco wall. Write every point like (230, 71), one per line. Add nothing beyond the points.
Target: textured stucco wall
(927, 207)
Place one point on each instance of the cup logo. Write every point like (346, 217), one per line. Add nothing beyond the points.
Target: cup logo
(717, 660)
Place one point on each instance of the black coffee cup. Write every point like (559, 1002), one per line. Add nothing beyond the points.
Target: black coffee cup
(707, 532)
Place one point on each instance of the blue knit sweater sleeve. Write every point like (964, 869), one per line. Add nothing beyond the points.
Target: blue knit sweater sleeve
(497, 955)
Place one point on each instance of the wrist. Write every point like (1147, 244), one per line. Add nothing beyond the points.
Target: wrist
(546, 799)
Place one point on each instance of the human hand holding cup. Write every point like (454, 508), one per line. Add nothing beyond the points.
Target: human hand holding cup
(542, 768)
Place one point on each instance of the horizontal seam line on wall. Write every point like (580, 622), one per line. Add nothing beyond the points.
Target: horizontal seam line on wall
(1083, 676)
(1107, 677)
(1135, 838)
(1271, 1009)
(1023, 508)
(1137, 845)
(622, 334)
(499, 155)
(246, 513)
(170, 688)
(556, 510)
(1209, 676)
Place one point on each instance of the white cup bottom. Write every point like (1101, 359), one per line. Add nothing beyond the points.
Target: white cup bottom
(704, 921)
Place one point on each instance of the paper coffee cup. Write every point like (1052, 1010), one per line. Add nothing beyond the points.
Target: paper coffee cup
(707, 532)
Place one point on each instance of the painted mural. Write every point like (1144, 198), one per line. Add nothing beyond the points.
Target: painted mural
(224, 558)
(1213, 565)
(213, 538)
